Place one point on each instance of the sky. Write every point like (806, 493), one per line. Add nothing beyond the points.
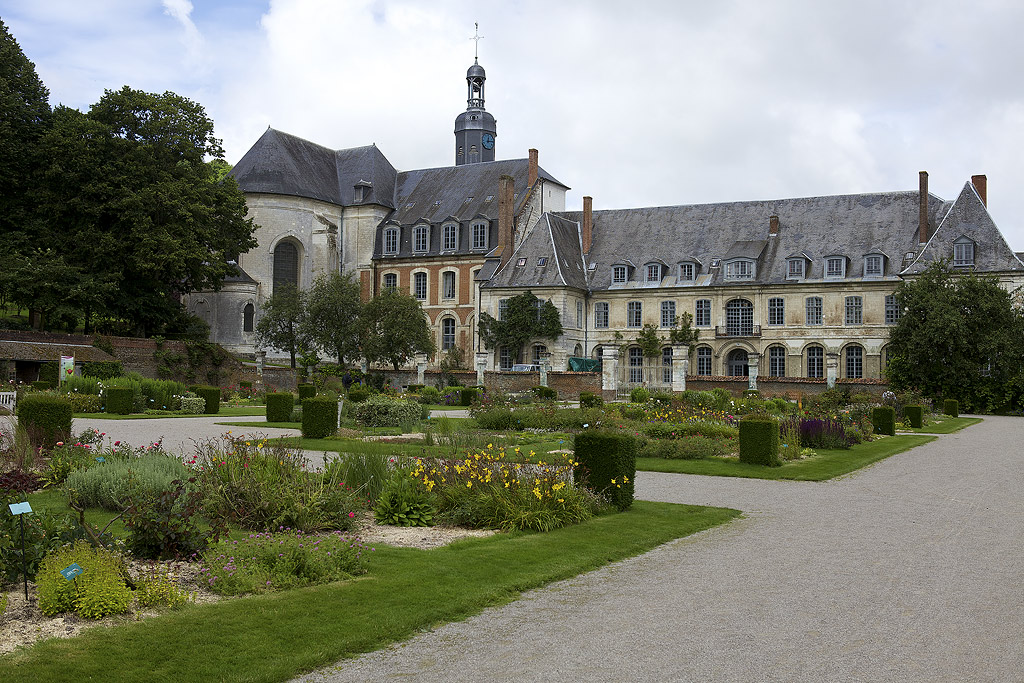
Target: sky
(642, 103)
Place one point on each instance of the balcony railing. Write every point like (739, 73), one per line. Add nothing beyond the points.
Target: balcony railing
(738, 331)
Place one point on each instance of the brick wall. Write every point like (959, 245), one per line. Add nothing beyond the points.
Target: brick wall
(567, 384)
(789, 387)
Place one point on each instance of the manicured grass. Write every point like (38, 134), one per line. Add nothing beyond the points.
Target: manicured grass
(825, 465)
(944, 425)
(225, 411)
(276, 425)
(275, 637)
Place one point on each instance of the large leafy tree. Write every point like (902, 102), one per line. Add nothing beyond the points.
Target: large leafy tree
(958, 337)
(333, 310)
(395, 329)
(281, 322)
(526, 317)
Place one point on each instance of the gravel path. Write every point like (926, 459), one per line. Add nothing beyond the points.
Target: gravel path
(910, 570)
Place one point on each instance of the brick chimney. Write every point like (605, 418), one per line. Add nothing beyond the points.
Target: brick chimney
(922, 227)
(532, 177)
(980, 183)
(773, 226)
(506, 199)
(588, 223)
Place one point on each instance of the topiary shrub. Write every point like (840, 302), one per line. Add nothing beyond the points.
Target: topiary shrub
(430, 395)
(119, 400)
(306, 391)
(359, 395)
(470, 395)
(192, 404)
(48, 372)
(211, 395)
(606, 464)
(98, 591)
(590, 400)
(41, 385)
(914, 415)
(46, 419)
(85, 403)
(544, 392)
(280, 406)
(639, 395)
(951, 407)
(102, 369)
(759, 441)
(381, 411)
(884, 419)
(320, 417)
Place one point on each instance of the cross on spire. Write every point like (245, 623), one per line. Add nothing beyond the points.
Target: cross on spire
(476, 38)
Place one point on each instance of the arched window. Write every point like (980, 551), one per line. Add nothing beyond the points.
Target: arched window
(598, 352)
(577, 351)
(739, 318)
(286, 266)
(738, 363)
(815, 362)
(390, 282)
(854, 362)
(776, 361)
(704, 360)
(248, 313)
(636, 365)
(447, 333)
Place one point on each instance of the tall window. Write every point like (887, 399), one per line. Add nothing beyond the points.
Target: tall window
(450, 237)
(872, 266)
(835, 267)
(776, 361)
(854, 310)
(505, 358)
(739, 318)
(776, 311)
(686, 271)
(480, 235)
(390, 282)
(601, 315)
(668, 313)
(419, 286)
(815, 362)
(618, 273)
(391, 241)
(502, 308)
(666, 365)
(892, 310)
(579, 314)
(702, 313)
(704, 360)
(448, 284)
(420, 238)
(654, 272)
(813, 310)
(636, 365)
(854, 362)
(540, 352)
(963, 252)
(248, 313)
(447, 333)
(286, 266)
(634, 314)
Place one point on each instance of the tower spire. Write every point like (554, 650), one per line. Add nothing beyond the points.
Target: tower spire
(475, 129)
(476, 39)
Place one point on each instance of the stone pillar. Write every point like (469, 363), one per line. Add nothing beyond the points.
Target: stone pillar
(752, 368)
(545, 366)
(680, 366)
(609, 372)
(481, 365)
(261, 362)
(421, 368)
(831, 369)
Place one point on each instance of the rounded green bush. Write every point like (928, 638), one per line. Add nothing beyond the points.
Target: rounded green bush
(320, 417)
(119, 400)
(46, 418)
(590, 400)
(280, 406)
(759, 441)
(381, 411)
(358, 395)
(639, 395)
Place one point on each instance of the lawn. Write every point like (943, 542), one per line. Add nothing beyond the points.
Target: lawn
(825, 465)
(277, 636)
(275, 425)
(944, 425)
(225, 411)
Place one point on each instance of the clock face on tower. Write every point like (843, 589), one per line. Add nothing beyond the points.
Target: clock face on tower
(488, 141)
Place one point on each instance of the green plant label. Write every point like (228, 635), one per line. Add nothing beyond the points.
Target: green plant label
(72, 571)
(20, 508)
(101, 459)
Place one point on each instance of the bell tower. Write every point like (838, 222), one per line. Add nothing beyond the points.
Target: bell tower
(475, 129)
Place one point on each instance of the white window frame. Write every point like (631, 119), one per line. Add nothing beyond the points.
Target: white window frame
(870, 259)
(831, 272)
(445, 276)
(668, 313)
(384, 281)
(740, 269)
(798, 273)
(776, 311)
(697, 306)
(421, 239)
(963, 253)
(653, 272)
(853, 313)
(814, 316)
(601, 315)
(449, 237)
(415, 285)
(687, 271)
(391, 238)
(634, 314)
(480, 235)
(620, 274)
(502, 308)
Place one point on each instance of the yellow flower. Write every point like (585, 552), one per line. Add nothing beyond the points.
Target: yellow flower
(469, 484)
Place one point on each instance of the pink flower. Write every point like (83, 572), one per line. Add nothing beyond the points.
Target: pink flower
(351, 515)
(117, 443)
(60, 443)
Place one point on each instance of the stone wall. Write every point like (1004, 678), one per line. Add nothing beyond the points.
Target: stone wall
(787, 387)
(567, 384)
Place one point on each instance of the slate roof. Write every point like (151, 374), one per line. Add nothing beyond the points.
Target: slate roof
(550, 255)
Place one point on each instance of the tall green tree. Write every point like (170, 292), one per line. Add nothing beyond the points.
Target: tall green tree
(395, 329)
(281, 321)
(959, 336)
(333, 309)
(526, 317)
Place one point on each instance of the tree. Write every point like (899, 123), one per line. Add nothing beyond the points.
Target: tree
(958, 337)
(649, 341)
(526, 317)
(280, 324)
(682, 331)
(395, 329)
(333, 309)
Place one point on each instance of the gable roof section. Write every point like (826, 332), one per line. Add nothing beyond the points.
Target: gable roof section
(553, 238)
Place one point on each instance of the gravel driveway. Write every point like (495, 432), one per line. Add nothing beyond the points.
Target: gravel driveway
(909, 570)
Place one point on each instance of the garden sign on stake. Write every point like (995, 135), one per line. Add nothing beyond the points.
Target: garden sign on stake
(19, 509)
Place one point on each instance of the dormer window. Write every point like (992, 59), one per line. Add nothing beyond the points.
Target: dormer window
(739, 269)
(796, 268)
(479, 235)
(963, 253)
(835, 267)
(420, 238)
(620, 274)
(873, 265)
(687, 272)
(449, 237)
(653, 272)
(391, 241)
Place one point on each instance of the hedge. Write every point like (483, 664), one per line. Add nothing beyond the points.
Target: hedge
(119, 400)
(41, 385)
(102, 369)
(951, 407)
(544, 392)
(381, 411)
(884, 419)
(590, 400)
(211, 395)
(759, 441)
(319, 417)
(639, 395)
(358, 395)
(280, 406)
(46, 418)
(470, 395)
(914, 415)
(606, 464)
(48, 372)
(306, 391)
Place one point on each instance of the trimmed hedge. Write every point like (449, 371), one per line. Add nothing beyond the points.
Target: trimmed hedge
(306, 391)
(358, 395)
(544, 392)
(48, 372)
(914, 415)
(319, 417)
(280, 406)
(951, 407)
(884, 419)
(470, 395)
(606, 464)
(46, 418)
(192, 405)
(759, 441)
(119, 400)
(211, 395)
(590, 400)
(381, 411)
(41, 385)
(102, 369)
(639, 395)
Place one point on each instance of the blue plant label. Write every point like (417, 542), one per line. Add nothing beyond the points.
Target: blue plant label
(20, 508)
(72, 571)
(101, 459)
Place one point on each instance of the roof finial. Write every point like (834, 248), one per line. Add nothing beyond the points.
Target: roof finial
(476, 37)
